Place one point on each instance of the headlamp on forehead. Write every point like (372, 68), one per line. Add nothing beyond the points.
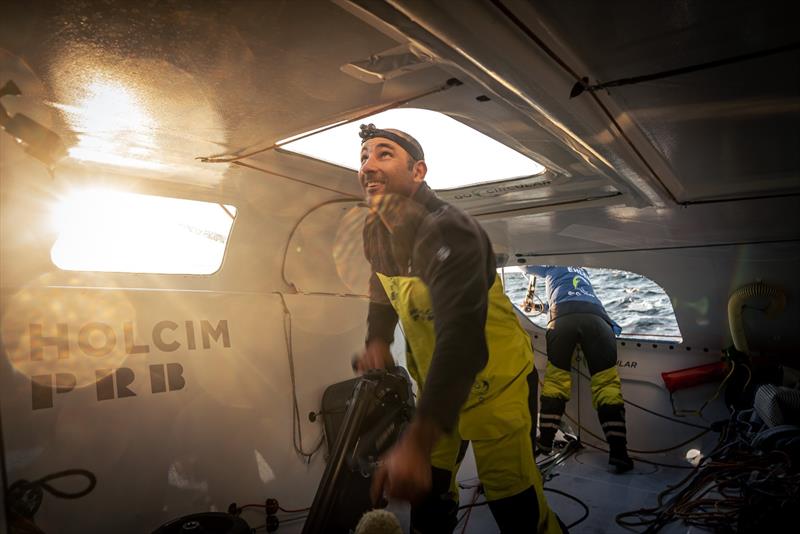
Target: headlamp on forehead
(369, 131)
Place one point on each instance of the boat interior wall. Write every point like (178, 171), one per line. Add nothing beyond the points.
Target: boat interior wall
(195, 388)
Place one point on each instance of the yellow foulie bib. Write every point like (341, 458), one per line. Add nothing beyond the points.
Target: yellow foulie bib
(498, 401)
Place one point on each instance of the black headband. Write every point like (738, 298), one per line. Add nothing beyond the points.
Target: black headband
(368, 131)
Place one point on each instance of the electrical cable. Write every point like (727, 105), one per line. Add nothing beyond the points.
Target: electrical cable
(242, 507)
(281, 508)
(23, 498)
(472, 505)
(656, 451)
(577, 500)
(651, 462)
(749, 376)
(282, 520)
(660, 497)
(69, 472)
(478, 490)
(290, 511)
(668, 418)
(297, 433)
(691, 68)
(734, 488)
(226, 210)
(475, 504)
(271, 506)
(699, 412)
(291, 178)
(297, 225)
(465, 515)
(297, 436)
(551, 462)
(43, 483)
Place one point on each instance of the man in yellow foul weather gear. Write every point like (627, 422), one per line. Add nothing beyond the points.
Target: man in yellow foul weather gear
(434, 271)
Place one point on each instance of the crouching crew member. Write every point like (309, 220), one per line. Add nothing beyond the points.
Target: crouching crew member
(578, 317)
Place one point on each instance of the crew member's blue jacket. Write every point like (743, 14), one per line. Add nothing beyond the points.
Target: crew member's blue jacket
(569, 290)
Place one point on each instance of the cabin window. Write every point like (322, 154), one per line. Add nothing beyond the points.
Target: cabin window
(113, 231)
(640, 306)
(457, 155)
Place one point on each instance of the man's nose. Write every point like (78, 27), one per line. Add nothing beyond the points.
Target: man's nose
(368, 166)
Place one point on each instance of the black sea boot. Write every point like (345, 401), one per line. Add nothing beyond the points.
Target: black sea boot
(612, 419)
(549, 422)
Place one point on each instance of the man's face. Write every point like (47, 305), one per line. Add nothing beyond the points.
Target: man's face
(387, 168)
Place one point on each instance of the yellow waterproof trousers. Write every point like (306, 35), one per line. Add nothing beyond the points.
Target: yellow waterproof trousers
(495, 416)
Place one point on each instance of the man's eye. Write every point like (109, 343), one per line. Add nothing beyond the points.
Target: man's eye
(385, 154)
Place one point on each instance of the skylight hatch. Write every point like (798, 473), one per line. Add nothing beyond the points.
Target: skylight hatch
(457, 155)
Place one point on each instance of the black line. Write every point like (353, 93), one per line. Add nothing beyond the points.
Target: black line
(693, 68)
(293, 179)
(297, 225)
(527, 31)
(226, 211)
(289, 153)
(575, 499)
(654, 249)
(738, 199)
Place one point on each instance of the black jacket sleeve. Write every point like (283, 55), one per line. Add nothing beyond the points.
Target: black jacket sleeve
(381, 321)
(381, 317)
(456, 263)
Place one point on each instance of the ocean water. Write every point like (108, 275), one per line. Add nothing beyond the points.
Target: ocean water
(637, 304)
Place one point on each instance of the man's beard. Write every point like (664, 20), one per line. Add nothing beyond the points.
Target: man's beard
(390, 230)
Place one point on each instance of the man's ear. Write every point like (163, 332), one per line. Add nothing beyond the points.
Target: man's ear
(420, 170)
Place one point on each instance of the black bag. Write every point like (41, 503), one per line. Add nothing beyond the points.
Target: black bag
(363, 418)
